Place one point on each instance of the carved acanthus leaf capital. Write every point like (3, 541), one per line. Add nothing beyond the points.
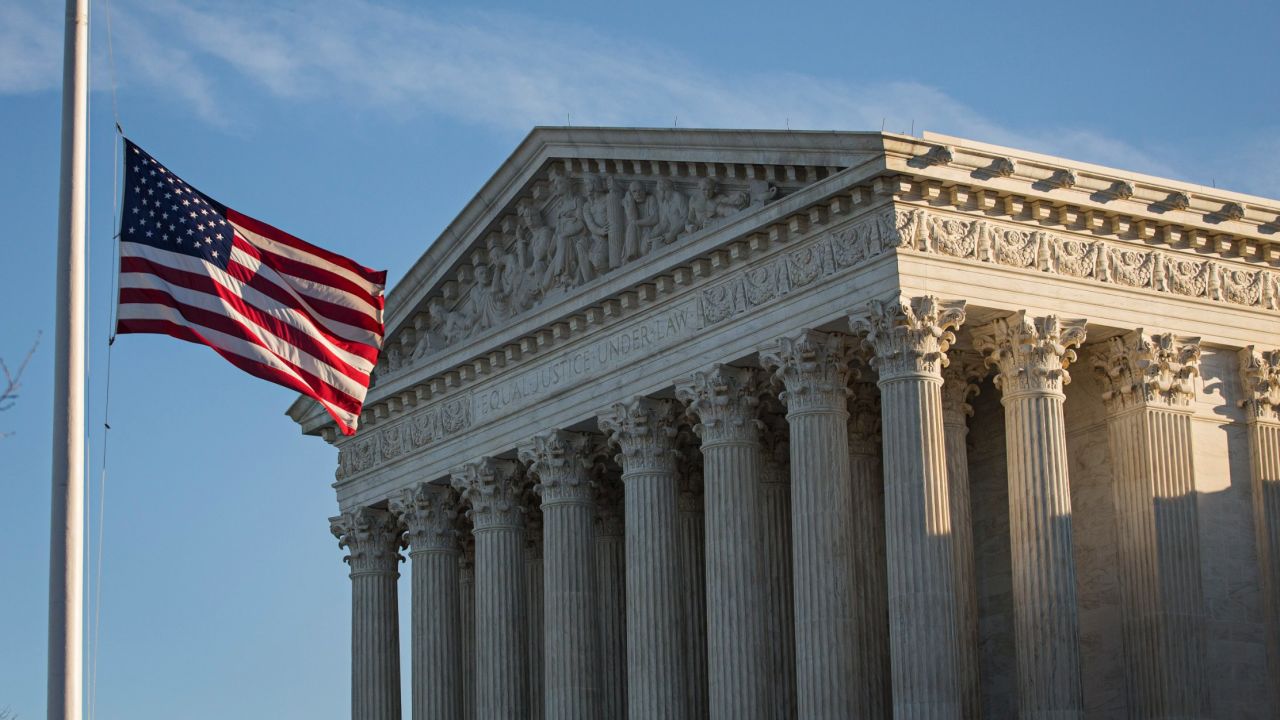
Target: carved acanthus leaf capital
(813, 366)
(644, 430)
(1260, 379)
(1138, 369)
(724, 399)
(430, 516)
(492, 487)
(908, 336)
(562, 461)
(1030, 354)
(959, 383)
(374, 538)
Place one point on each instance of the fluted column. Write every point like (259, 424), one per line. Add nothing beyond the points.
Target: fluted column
(957, 387)
(870, 599)
(561, 460)
(1031, 356)
(724, 400)
(611, 596)
(645, 431)
(467, 620)
(691, 541)
(1148, 385)
(429, 514)
(373, 538)
(533, 585)
(779, 596)
(909, 340)
(813, 367)
(492, 488)
(1260, 380)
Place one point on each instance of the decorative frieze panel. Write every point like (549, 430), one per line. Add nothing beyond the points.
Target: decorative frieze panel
(425, 427)
(1105, 261)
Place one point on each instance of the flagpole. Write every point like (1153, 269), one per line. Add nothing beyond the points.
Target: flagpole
(66, 549)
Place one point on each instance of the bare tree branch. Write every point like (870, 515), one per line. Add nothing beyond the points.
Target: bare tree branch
(9, 394)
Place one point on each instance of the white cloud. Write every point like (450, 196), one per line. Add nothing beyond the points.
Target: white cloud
(508, 72)
(30, 47)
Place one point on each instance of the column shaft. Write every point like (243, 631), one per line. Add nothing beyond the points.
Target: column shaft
(1260, 381)
(533, 585)
(611, 594)
(693, 593)
(780, 635)
(374, 539)
(956, 389)
(467, 629)
(910, 338)
(724, 399)
(571, 635)
(645, 430)
(870, 599)
(501, 618)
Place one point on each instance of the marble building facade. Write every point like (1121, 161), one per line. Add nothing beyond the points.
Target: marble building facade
(749, 424)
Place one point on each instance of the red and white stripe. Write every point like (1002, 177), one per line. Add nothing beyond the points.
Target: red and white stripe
(283, 310)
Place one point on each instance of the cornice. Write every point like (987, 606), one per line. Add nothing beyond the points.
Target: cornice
(1072, 215)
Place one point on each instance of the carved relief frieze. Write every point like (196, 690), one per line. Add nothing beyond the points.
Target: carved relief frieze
(422, 428)
(578, 225)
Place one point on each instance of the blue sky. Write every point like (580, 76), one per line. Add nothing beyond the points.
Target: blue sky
(364, 127)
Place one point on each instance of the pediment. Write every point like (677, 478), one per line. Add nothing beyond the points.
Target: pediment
(572, 208)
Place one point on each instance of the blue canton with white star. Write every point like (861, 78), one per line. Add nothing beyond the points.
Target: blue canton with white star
(162, 211)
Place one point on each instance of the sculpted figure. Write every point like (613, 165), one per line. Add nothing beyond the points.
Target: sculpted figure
(487, 304)
(673, 211)
(642, 217)
(761, 192)
(572, 259)
(602, 214)
(427, 338)
(440, 329)
(709, 204)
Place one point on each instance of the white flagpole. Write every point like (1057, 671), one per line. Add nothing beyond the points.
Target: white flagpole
(66, 551)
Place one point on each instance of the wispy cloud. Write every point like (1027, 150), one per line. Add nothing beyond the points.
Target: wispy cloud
(504, 71)
(30, 48)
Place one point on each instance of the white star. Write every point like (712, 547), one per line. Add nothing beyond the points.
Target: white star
(190, 231)
(164, 216)
(171, 227)
(200, 226)
(219, 236)
(214, 253)
(186, 202)
(148, 233)
(130, 229)
(136, 211)
(166, 237)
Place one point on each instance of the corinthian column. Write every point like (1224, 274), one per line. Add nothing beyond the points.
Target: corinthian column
(492, 488)
(1148, 388)
(724, 400)
(1031, 356)
(429, 512)
(779, 596)
(561, 461)
(467, 620)
(870, 601)
(374, 538)
(533, 585)
(957, 387)
(645, 432)
(814, 368)
(1260, 378)
(693, 576)
(909, 340)
(611, 596)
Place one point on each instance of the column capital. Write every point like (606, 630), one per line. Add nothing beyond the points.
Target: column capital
(1260, 380)
(864, 419)
(1138, 369)
(562, 461)
(645, 430)
(1030, 354)
(430, 516)
(959, 383)
(492, 487)
(813, 366)
(724, 399)
(908, 337)
(374, 538)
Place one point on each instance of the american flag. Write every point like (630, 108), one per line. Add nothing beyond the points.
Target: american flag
(273, 305)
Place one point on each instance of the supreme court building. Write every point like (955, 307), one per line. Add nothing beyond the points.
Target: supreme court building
(755, 425)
